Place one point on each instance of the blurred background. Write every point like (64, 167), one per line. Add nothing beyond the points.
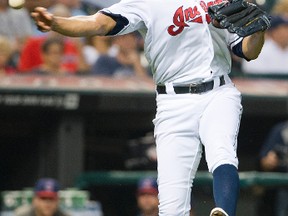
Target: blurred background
(80, 110)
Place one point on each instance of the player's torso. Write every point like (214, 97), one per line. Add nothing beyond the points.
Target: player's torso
(178, 42)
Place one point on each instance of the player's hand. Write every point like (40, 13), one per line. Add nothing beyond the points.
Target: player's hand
(43, 19)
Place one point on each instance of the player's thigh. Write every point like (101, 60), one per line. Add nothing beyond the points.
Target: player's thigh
(178, 152)
(176, 133)
(219, 127)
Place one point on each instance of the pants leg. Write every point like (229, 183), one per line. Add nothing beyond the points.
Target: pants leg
(219, 127)
(178, 153)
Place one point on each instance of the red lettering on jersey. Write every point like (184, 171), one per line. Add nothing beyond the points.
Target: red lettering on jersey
(204, 6)
(210, 4)
(208, 18)
(218, 1)
(191, 13)
(181, 17)
(197, 20)
(179, 23)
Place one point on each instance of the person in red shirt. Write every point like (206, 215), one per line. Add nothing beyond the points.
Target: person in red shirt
(52, 53)
(73, 61)
(31, 57)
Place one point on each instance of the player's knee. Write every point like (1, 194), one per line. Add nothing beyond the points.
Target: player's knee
(221, 162)
(222, 155)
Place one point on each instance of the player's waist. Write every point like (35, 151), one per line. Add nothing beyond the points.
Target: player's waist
(192, 88)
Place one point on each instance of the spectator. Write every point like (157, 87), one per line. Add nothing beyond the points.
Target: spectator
(52, 52)
(127, 61)
(281, 7)
(31, 4)
(147, 197)
(74, 6)
(15, 25)
(274, 158)
(5, 54)
(142, 153)
(274, 56)
(96, 46)
(73, 60)
(45, 201)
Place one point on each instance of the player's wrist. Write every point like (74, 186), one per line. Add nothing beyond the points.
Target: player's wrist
(258, 35)
(54, 23)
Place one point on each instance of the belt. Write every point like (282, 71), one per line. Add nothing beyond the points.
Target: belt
(192, 88)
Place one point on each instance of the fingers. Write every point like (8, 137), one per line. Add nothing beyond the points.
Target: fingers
(40, 12)
(43, 27)
(42, 18)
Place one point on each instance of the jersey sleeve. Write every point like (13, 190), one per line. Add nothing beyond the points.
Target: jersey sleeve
(235, 45)
(233, 40)
(130, 16)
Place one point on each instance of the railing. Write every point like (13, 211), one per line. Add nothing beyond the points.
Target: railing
(247, 179)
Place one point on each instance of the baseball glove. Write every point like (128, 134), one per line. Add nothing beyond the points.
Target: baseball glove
(239, 16)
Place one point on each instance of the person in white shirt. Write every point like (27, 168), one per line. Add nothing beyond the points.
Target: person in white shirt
(273, 58)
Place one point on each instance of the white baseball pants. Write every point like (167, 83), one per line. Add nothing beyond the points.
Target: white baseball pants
(182, 124)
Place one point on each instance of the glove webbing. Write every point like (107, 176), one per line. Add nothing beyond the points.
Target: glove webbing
(241, 18)
(262, 23)
(233, 8)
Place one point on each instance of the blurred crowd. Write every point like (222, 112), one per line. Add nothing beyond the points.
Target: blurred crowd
(25, 50)
(273, 59)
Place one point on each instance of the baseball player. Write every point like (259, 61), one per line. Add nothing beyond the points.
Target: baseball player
(197, 104)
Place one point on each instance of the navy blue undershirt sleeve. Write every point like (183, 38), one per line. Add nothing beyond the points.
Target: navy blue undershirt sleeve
(237, 50)
(121, 22)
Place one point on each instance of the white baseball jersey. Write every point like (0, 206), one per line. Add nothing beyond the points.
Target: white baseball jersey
(191, 60)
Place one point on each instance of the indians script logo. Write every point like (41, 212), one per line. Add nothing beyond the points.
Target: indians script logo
(183, 16)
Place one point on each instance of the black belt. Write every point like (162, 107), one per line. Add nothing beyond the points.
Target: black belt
(192, 88)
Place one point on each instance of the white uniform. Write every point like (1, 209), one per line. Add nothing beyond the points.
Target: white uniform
(182, 49)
